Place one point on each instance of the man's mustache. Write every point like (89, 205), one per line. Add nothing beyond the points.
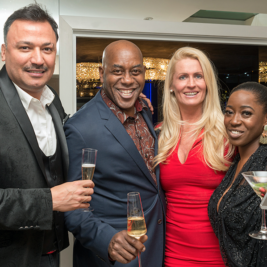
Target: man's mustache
(35, 67)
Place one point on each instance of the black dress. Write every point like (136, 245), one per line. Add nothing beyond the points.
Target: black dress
(239, 214)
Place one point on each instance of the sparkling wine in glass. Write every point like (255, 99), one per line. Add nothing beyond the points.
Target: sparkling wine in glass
(88, 166)
(136, 225)
(257, 180)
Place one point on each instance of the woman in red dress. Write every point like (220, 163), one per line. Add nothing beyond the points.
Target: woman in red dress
(192, 157)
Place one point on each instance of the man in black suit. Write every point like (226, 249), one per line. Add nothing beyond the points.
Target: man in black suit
(33, 149)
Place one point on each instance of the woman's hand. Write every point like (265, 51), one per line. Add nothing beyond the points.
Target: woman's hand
(148, 102)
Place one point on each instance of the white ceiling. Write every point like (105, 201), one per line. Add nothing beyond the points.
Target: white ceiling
(167, 10)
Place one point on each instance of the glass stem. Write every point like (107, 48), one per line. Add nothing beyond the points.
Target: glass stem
(263, 222)
(139, 258)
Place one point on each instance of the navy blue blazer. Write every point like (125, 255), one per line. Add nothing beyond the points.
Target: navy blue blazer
(119, 169)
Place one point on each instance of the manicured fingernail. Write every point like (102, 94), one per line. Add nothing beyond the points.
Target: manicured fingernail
(143, 250)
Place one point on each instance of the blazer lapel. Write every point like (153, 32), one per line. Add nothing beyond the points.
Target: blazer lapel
(61, 136)
(151, 128)
(14, 102)
(118, 131)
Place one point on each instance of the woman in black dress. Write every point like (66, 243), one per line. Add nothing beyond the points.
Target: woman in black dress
(234, 209)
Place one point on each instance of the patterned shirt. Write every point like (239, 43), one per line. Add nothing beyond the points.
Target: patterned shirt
(138, 130)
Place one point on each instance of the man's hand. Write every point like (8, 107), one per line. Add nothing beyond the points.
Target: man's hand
(148, 102)
(72, 195)
(124, 248)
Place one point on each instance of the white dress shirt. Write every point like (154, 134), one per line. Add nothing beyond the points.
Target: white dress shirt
(40, 118)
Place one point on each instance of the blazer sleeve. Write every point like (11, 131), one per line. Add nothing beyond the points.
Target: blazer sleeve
(26, 209)
(91, 232)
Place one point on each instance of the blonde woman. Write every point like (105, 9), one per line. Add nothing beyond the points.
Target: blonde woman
(193, 153)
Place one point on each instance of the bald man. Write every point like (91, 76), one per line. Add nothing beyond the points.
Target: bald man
(116, 123)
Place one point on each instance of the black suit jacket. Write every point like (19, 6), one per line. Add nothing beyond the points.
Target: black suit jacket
(25, 197)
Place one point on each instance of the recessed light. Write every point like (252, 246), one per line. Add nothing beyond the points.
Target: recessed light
(148, 18)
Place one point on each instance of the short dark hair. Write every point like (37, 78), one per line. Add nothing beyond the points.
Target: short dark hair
(32, 12)
(259, 90)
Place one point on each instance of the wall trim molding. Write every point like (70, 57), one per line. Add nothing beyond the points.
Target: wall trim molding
(172, 37)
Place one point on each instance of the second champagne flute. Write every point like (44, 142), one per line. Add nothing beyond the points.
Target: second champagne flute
(136, 225)
(88, 166)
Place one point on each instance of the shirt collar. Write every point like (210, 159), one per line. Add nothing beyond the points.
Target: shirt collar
(138, 107)
(47, 97)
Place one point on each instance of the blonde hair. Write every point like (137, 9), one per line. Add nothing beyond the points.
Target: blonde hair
(215, 139)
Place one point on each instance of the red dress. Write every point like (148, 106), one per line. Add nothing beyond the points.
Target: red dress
(190, 240)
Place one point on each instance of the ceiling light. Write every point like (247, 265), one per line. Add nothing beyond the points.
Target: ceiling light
(148, 18)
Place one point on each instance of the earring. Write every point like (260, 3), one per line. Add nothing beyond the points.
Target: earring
(263, 139)
(171, 91)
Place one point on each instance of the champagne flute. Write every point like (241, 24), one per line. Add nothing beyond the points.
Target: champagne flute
(257, 180)
(136, 225)
(88, 167)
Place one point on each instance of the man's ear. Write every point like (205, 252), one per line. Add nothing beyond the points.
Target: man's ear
(3, 52)
(101, 74)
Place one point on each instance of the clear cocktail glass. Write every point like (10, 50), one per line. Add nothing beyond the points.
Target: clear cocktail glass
(258, 180)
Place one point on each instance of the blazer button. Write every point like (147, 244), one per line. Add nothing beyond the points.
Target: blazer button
(159, 221)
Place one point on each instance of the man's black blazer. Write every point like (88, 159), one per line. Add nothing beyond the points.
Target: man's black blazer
(25, 197)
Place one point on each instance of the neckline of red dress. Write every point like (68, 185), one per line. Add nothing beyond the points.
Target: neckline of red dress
(197, 141)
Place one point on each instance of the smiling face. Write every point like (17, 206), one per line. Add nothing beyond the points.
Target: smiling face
(123, 74)
(30, 55)
(188, 84)
(244, 119)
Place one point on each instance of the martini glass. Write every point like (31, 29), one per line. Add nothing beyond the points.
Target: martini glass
(258, 180)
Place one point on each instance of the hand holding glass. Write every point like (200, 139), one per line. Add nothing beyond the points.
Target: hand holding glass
(136, 225)
(88, 166)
